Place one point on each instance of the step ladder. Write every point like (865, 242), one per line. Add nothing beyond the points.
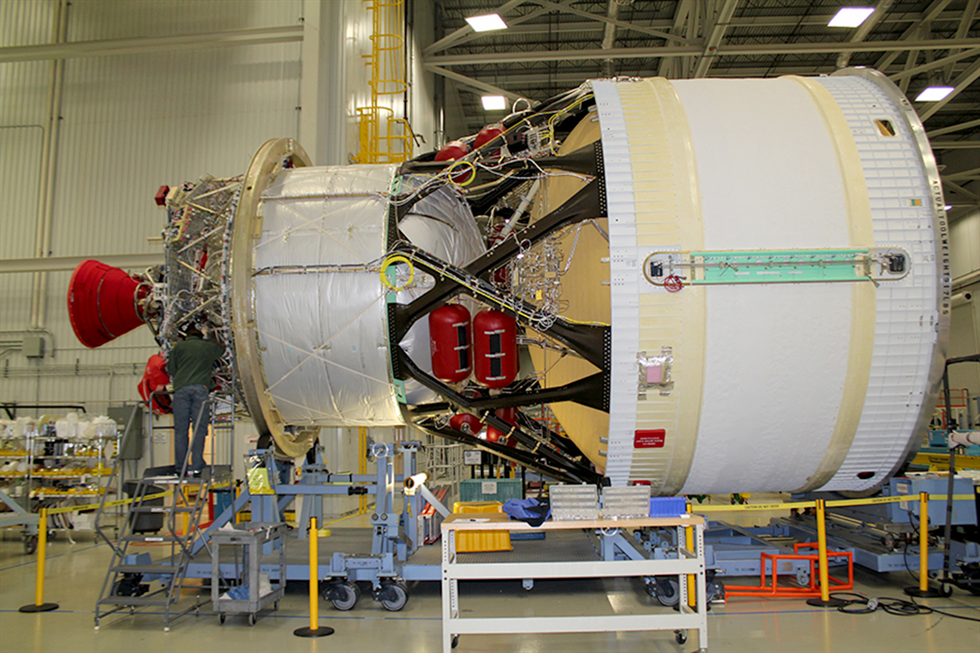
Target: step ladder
(172, 525)
(129, 578)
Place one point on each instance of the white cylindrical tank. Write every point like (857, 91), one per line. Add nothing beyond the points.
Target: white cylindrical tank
(799, 341)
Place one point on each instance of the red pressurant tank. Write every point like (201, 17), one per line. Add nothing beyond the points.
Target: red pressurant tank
(487, 134)
(449, 343)
(495, 360)
(509, 415)
(466, 423)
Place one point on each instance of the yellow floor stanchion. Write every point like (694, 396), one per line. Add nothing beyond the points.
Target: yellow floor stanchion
(314, 629)
(923, 591)
(692, 599)
(824, 601)
(42, 544)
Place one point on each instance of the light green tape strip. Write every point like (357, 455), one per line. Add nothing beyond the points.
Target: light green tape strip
(779, 266)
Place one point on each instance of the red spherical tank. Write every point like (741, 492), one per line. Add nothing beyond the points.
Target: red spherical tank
(509, 415)
(466, 423)
(453, 150)
(487, 134)
(449, 343)
(495, 360)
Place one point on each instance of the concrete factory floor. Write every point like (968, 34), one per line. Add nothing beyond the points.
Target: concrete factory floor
(75, 573)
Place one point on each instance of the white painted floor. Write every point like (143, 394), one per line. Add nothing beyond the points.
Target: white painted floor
(75, 573)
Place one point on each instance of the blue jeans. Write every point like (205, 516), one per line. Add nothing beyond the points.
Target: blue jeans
(190, 405)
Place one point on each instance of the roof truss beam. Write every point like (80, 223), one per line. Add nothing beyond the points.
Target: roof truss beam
(683, 51)
(862, 32)
(720, 23)
(475, 84)
(928, 16)
(959, 84)
(953, 128)
(567, 8)
(938, 63)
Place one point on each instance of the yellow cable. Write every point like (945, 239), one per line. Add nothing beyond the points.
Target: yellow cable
(392, 260)
(469, 178)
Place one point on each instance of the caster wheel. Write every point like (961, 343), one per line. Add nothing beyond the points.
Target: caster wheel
(221, 618)
(946, 590)
(680, 636)
(30, 544)
(52, 535)
(344, 596)
(394, 596)
(455, 641)
(668, 592)
(275, 606)
(251, 620)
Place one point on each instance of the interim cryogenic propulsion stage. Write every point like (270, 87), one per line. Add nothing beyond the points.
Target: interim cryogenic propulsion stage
(705, 285)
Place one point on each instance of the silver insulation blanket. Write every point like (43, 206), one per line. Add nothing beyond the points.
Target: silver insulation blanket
(320, 303)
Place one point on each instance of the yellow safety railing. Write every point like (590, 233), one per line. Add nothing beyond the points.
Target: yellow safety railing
(821, 505)
(384, 138)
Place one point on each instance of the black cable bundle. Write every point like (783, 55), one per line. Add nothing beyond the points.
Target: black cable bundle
(856, 603)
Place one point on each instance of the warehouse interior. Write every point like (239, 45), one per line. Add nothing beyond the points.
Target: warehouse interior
(118, 119)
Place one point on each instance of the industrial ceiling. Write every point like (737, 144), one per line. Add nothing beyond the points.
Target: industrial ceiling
(552, 45)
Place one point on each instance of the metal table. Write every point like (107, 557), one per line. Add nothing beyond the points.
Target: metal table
(688, 562)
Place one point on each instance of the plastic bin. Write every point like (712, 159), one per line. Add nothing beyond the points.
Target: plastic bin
(491, 489)
(668, 506)
(478, 541)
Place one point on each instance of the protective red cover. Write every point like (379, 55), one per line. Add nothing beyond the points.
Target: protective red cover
(155, 378)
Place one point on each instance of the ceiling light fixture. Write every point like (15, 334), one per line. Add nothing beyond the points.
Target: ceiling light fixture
(850, 16)
(934, 93)
(494, 102)
(486, 23)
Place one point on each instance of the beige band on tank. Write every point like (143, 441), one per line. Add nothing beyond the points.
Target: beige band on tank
(863, 295)
(668, 216)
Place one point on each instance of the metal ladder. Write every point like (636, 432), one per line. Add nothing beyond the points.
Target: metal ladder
(128, 578)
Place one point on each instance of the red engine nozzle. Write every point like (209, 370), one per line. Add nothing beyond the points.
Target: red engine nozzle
(103, 303)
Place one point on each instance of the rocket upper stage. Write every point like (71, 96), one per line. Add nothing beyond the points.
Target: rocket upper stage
(723, 285)
(790, 371)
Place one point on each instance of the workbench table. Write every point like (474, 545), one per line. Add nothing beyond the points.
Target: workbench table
(454, 569)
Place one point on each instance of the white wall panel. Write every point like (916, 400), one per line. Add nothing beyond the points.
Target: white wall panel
(129, 124)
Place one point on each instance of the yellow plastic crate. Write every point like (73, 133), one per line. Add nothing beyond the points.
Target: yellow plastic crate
(474, 541)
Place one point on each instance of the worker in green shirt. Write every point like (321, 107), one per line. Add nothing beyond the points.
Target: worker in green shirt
(190, 366)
